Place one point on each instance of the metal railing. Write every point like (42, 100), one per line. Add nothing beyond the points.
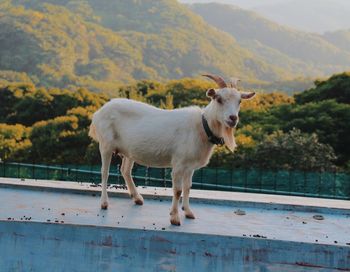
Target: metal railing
(335, 185)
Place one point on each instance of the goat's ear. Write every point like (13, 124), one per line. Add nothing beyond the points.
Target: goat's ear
(211, 93)
(247, 95)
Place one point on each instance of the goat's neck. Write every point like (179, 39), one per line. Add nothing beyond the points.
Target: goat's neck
(214, 125)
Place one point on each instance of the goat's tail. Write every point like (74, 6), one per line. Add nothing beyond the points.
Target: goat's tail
(92, 132)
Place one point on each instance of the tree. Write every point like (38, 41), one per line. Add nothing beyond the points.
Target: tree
(59, 140)
(337, 87)
(188, 92)
(14, 142)
(33, 107)
(11, 95)
(293, 150)
(27, 105)
(328, 119)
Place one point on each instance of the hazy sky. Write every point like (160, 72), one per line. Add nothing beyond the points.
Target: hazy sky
(241, 3)
(258, 3)
(307, 15)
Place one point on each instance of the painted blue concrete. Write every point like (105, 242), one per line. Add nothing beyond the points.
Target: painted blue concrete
(55, 247)
(81, 237)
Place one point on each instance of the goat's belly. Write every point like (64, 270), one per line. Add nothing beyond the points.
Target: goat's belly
(151, 158)
(152, 161)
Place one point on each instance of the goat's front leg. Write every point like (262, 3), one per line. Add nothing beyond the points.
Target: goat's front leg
(177, 190)
(106, 156)
(187, 184)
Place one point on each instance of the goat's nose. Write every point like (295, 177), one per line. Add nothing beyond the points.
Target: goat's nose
(233, 118)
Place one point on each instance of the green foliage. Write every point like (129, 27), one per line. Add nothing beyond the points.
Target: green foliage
(59, 140)
(264, 101)
(33, 107)
(293, 150)
(6, 77)
(336, 87)
(14, 142)
(26, 105)
(58, 120)
(274, 131)
(187, 92)
(11, 95)
(328, 119)
(175, 93)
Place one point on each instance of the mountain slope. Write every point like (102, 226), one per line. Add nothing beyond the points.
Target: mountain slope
(101, 44)
(302, 52)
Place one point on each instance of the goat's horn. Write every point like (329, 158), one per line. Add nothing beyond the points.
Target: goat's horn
(219, 80)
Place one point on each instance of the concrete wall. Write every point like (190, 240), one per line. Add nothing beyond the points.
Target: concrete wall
(31, 246)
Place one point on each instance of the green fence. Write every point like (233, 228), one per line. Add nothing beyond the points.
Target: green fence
(315, 184)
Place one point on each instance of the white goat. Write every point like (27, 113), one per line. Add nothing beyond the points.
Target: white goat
(182, 139)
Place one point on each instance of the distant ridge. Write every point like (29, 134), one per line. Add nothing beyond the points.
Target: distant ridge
(298, 52)
(317, 16)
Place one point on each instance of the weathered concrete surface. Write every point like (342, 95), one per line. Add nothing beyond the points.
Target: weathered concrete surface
(44, 247)
(207, 196)
(81, 237)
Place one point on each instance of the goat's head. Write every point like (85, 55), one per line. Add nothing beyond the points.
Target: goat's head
(225, 102)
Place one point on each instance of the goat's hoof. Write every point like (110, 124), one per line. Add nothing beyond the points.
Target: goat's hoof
(175, 220)
(138, 200)
(189, 215)
(104, 205)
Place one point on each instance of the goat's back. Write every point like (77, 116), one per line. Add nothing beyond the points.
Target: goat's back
(148, 135)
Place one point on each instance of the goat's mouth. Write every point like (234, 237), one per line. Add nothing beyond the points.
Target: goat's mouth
(231, 123)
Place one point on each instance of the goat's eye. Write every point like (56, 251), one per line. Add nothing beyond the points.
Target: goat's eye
(219, 99)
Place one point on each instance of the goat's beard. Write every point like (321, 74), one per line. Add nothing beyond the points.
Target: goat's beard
(227, 134)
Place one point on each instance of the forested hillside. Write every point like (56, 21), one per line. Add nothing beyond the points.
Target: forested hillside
(304, 53)
(307, 132)
(103, 44)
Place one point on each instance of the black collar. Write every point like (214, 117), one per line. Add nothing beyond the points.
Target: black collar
(211, 137)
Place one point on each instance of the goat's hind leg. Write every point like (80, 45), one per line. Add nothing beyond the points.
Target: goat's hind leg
(106, 156)
(125, 169)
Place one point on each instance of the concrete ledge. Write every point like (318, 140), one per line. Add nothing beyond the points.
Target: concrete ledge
(267, 201)
(59, 226)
